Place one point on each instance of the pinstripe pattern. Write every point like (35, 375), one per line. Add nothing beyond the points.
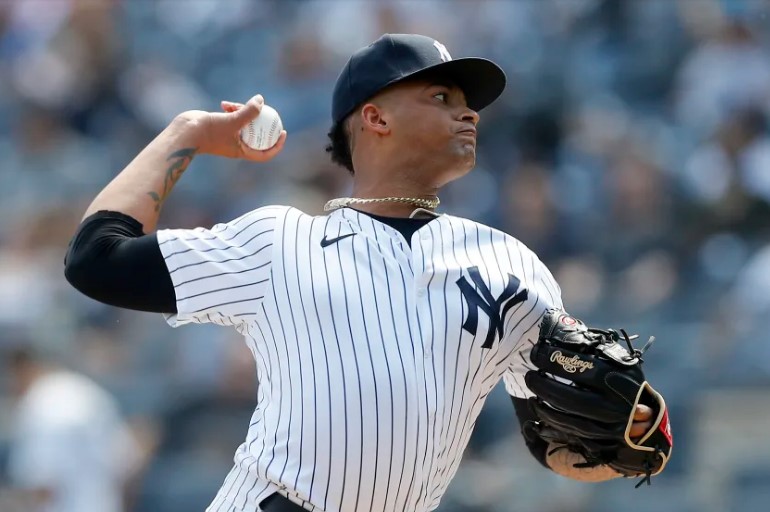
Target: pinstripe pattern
(369, 385)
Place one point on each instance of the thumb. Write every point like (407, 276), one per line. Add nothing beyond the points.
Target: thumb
(249, 111)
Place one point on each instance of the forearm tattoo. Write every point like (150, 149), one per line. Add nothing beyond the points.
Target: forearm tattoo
(178, 162)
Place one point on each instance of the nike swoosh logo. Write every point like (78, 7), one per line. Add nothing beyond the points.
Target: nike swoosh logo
(326, 242)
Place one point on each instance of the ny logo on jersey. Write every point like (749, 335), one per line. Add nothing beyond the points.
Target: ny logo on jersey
(442, 51)
(481, 298)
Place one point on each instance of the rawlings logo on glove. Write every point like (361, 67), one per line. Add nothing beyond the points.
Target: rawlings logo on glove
(570, 364)
(587, 387)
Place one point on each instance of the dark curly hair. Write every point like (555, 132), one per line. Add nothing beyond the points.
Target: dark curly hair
(339, 146)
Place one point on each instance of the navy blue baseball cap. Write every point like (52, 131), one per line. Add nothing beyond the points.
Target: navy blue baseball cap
(396, 57)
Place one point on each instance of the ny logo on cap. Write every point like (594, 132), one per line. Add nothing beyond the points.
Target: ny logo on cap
(442, 51)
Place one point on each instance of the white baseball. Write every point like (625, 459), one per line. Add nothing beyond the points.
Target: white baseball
(264, 131)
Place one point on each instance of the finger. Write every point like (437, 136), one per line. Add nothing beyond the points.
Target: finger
(265, 154)
(642, 413)
(638, 429)
(249, 111)
(230, 106)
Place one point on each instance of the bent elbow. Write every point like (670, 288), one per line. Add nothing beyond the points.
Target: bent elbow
(76, 272)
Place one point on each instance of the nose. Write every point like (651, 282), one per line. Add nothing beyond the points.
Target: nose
(470, 115)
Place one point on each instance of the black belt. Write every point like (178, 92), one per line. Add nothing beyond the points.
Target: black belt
(277, 503)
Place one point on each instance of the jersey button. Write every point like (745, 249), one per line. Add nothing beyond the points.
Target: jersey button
(421, 292)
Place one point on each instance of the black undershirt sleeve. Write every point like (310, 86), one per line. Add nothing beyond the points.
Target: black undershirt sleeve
(536, 446)
(111, 260)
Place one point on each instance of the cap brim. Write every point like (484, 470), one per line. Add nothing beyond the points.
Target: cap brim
(481, 80)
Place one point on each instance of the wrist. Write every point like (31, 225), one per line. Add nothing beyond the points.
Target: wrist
(189, 128)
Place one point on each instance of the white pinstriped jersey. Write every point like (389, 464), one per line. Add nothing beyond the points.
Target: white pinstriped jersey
(373, 358)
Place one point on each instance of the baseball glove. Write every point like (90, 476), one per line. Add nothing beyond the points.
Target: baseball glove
(587, 386)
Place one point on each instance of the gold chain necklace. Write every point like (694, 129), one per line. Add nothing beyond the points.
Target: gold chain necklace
(341, 202)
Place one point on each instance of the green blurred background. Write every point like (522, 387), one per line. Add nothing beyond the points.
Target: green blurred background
(631, 151)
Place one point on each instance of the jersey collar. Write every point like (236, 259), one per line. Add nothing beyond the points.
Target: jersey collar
(361, 222)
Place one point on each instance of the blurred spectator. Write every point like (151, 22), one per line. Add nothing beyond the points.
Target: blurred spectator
(70, 449)
(709, 87)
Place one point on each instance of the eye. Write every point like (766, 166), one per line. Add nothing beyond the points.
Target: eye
(442, 96)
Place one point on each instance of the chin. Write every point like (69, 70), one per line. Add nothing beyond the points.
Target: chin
(468, 161)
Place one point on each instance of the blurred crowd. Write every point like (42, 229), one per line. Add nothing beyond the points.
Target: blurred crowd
(631, 151)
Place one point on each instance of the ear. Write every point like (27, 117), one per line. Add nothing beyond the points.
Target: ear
(372, 118)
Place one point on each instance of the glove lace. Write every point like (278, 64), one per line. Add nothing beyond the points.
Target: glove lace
(647, 475)
(648, 466)
(611, 335)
